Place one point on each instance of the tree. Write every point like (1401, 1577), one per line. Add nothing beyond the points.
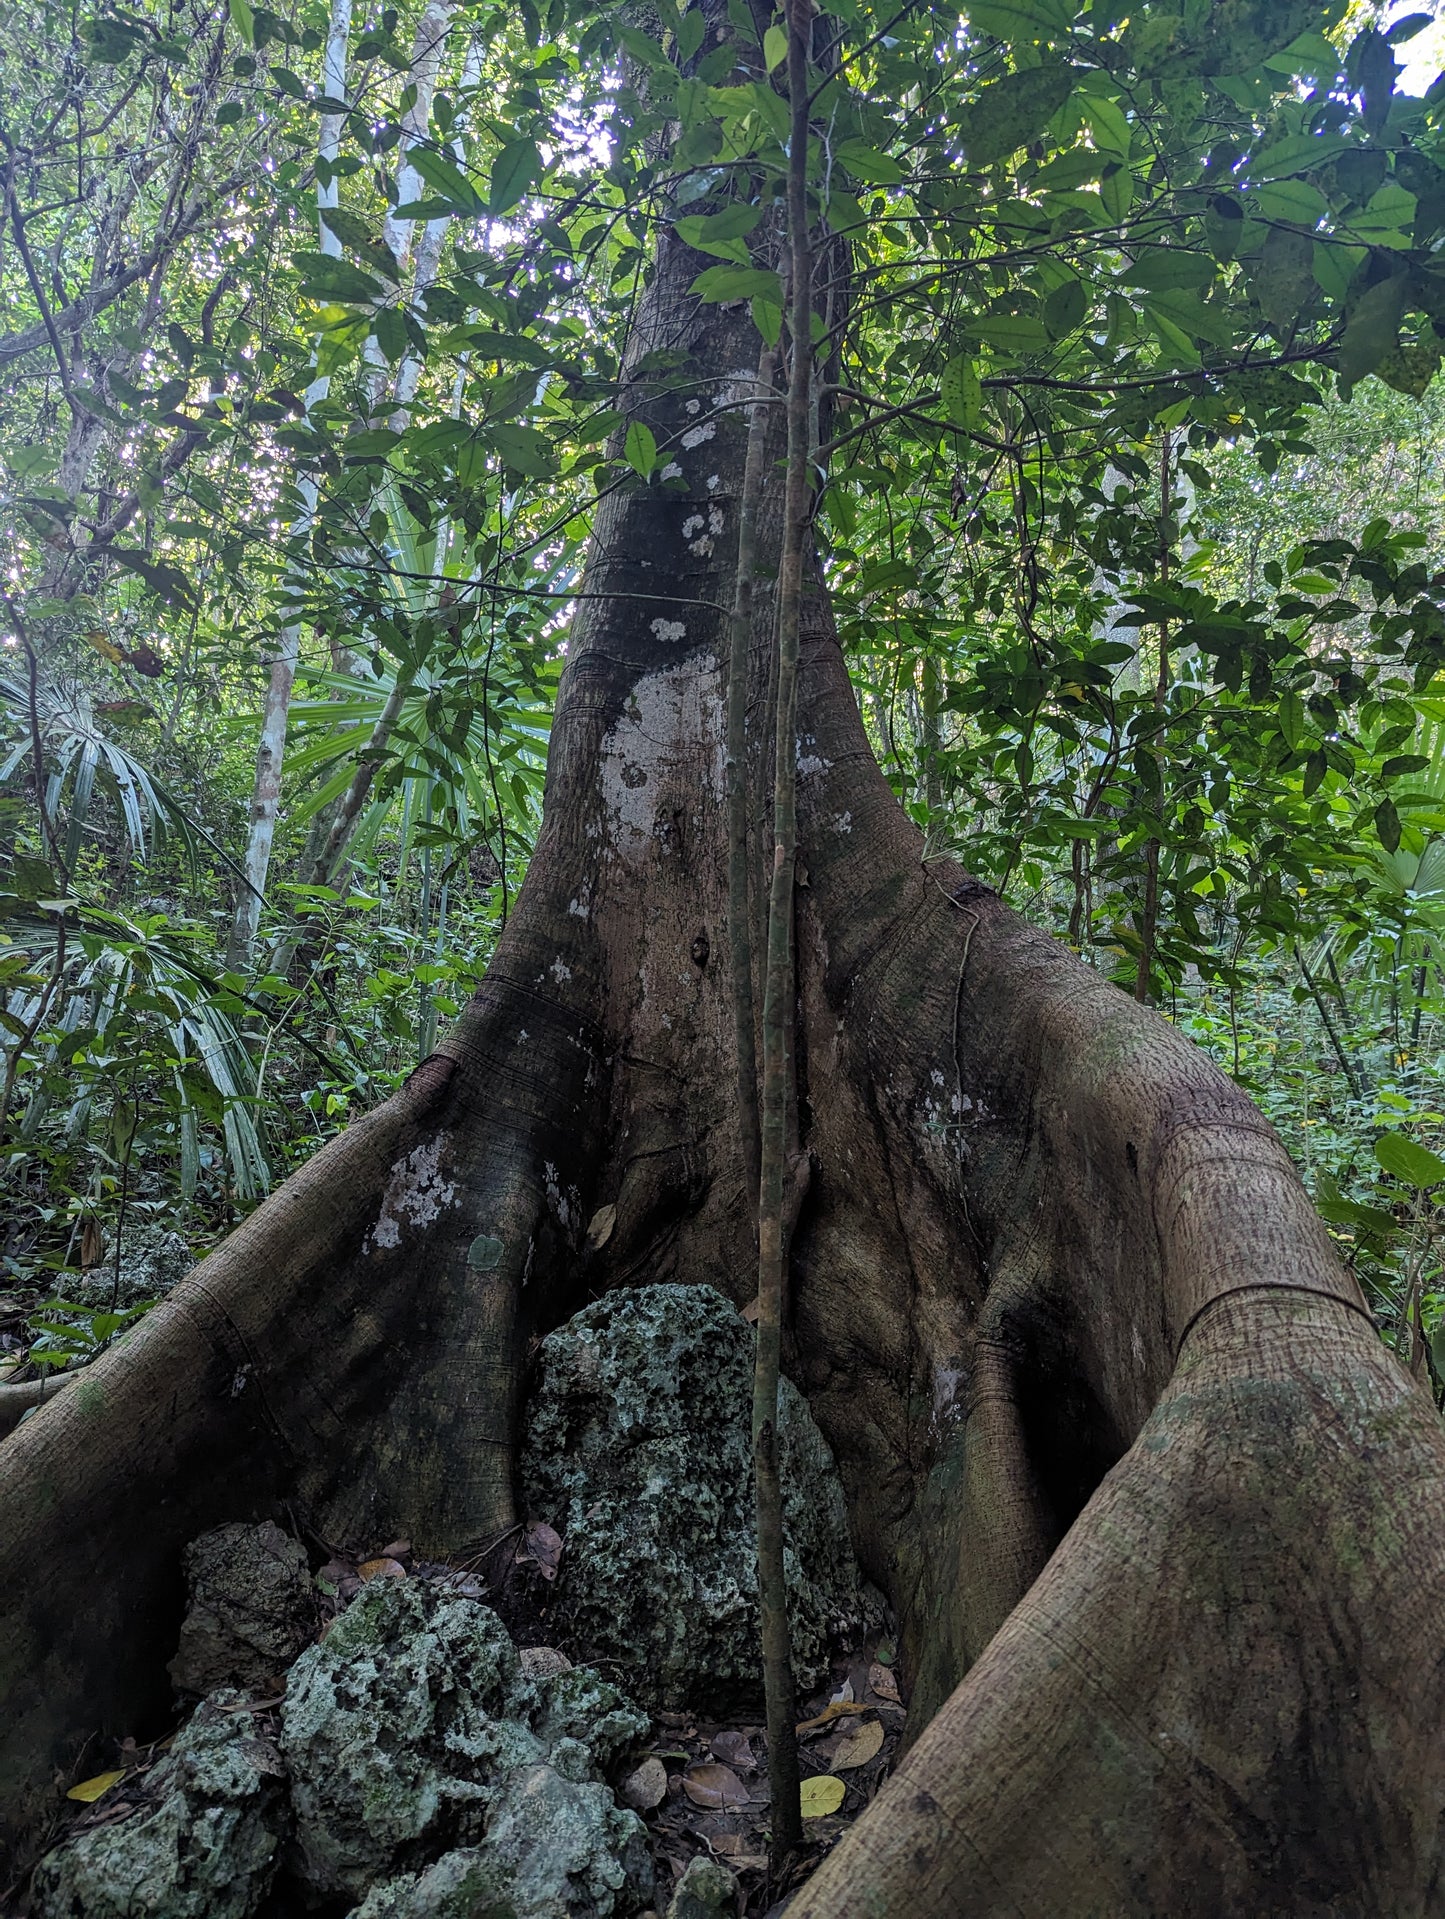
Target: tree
(1157, 1510)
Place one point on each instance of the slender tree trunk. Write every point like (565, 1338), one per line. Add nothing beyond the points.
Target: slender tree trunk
(779, 1084)
(271, 752)
(1162, 1520)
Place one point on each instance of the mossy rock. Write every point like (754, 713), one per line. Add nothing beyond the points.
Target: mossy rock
(208, 1849)
(554, 1848)
(405, 1725)
(638, 1449)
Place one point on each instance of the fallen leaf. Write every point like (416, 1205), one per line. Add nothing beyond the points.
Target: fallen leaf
(646, 1787)
(599, 1227)
(751, 1311)
(887, 1652)
(89, 1790)
(733, 1846)
(398, 1549)
(380, 1569)
(541, 1547)
(733, 1749)
(713, 1785)
(882, 1682)
(821, 1795)
(858, 1747)
(839, 1709)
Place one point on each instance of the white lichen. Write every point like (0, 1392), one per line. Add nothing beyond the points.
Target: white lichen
(416, 1195)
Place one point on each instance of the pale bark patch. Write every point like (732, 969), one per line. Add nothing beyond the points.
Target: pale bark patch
(416, 1195)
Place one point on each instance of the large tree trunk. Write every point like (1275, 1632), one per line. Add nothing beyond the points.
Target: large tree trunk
(1161, 1518)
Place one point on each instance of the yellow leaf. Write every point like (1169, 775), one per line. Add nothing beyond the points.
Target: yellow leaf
(90, 1790)
(856, 1748)
(107, 650)
(821, 1795)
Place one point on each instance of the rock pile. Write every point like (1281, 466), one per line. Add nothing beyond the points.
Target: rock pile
(418, 1769)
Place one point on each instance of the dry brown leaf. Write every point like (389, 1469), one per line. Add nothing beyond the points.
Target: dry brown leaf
(599, 1227)
(733, 1846)
(714, 1786)
(734, 1749)
(839, 1709)
(645, 1787)
(398, 1549)
(541, 1547)
(382, 1568)
(858, 1747)
(882, 1682)
(751, 1311)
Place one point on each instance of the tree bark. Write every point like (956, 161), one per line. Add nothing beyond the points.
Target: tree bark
(1160, 1517)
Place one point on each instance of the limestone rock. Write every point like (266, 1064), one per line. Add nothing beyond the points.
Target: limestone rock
(153, 1258)
(705, 1891)
(251, 1609)
(554, 1848)
(539, 1661)
(208, 1850)
(638, 1449)
(403, 1728)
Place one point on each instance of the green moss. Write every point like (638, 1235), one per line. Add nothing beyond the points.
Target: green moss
(638, 1449)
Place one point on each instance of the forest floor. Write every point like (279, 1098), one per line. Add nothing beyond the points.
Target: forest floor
(699, 1784)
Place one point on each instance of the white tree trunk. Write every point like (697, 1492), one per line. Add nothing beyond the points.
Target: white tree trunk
(266, 791)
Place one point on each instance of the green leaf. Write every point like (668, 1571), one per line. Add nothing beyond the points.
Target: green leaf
(639, 449)
(446, 179)
(325, 278)
(775, 47)
(1283, 278)
(526, 450)
(962, 391)
(1373, 330)
(1293, 200)
(1107, 124)
(1387, 220)
(1405, 1159)
(229, 112)
(866, 163)
(1161, 269)
(1387, 825)
(722, 233)
(517, 167)
(1011, 112)
(1292, 720)
(1065, 308)
(768, 319)
(244, 21)
(1403, 763)
(1009, 332)
(738, 283)
(391, 336)
(1021, 21)
(1298, 154)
